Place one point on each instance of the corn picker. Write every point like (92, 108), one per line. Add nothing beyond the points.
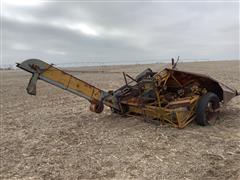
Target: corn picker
(171, 95)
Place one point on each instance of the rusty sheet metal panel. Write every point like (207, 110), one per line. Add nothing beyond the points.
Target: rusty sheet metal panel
(228, 93)
(224, 92)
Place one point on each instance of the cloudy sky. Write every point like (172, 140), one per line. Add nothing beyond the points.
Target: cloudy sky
(73, 32)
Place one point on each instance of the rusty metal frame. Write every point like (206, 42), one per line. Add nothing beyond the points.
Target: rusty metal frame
(179, 111)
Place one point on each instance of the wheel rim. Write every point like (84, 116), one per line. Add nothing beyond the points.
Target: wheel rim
(211, 114)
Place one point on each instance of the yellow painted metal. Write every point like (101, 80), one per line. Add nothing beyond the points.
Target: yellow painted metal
(178, 117)
(179, 110)
(162, 77)
(73, 83)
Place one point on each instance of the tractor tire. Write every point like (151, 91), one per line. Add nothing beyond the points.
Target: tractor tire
(207, 109)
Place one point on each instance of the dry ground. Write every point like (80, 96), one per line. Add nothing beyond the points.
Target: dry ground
(54, 136)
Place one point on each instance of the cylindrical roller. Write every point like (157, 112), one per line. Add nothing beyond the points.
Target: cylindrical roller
(96, 107)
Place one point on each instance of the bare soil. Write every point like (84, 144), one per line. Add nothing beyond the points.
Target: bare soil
(54, 135)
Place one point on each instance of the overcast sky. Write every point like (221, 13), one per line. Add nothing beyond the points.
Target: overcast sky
(122, 32)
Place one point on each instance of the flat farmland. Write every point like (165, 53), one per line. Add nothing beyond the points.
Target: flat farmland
(54, 135)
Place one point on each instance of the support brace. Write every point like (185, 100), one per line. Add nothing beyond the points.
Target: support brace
(32, 85)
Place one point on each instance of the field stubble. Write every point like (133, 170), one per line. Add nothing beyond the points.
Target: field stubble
(54, 135)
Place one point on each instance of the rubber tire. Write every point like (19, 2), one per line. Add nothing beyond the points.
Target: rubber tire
(96, 107)
(201, 107)
(99, 107)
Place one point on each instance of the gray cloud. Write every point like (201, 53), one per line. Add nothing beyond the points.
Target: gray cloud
(80, 32)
